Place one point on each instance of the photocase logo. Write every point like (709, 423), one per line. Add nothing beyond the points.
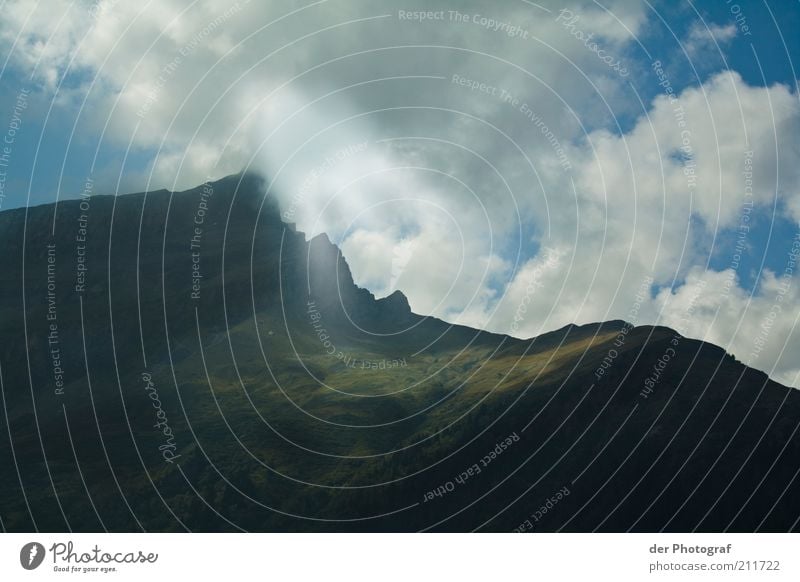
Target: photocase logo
(31, 555)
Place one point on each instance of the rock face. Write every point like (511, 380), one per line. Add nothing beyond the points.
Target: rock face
(205, 365)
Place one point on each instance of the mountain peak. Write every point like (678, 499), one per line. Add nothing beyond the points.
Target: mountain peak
(396, 301)
(321, 239)
(335, 361)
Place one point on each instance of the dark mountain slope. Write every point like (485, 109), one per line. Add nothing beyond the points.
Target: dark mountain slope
(212, 370)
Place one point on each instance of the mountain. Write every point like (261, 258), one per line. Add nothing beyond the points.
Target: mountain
(188, 361)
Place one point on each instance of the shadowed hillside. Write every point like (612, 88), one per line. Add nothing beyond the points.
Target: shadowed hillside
(187, 361)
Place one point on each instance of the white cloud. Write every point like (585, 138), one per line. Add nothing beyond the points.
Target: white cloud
(703, 38)
(759, 329)
(633, 210)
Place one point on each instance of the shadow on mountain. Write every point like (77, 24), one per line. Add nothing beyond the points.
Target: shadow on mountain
(188, 361)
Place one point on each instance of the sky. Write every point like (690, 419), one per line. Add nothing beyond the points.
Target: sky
(514, 166)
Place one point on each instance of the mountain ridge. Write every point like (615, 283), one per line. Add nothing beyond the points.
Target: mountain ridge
(296, 400)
